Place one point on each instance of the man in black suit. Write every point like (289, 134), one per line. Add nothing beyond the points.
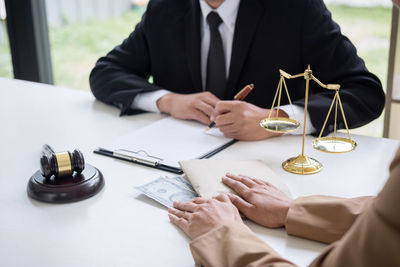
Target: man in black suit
(200, 53)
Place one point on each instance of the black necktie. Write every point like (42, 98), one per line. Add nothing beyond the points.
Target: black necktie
(216, 71)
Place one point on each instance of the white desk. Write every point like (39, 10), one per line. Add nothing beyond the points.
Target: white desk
(120, 227)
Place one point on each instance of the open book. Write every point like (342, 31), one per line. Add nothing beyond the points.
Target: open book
(205, 175)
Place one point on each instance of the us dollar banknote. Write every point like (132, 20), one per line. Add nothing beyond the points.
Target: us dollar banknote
(182, 182)
(167, 190)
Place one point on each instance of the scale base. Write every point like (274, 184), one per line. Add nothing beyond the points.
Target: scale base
(302, 165)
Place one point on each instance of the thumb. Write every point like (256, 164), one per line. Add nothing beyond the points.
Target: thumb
(214, 115)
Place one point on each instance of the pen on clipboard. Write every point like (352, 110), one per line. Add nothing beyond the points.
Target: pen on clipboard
(239, 96)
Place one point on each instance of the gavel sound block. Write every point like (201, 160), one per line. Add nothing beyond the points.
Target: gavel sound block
(64, 177)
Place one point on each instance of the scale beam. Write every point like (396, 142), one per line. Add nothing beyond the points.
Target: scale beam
(331, 144)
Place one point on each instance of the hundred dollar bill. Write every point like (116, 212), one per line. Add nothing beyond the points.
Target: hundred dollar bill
(166, 192)
(183, 182)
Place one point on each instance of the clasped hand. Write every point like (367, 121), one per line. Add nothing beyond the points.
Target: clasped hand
(236, 119)
(202, 215)
(197, 107)
(241, 120)
(259, 201)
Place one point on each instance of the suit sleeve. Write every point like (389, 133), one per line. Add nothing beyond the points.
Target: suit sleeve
(123, 73)
(234, 245)
(374, 239)
(323, 218)
(334, 60)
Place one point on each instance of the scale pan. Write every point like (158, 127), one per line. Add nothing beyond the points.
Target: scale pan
(331, 144)
(279, 124)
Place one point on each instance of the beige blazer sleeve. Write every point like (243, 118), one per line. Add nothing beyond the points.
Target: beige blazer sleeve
(234, 245)
(323, 218)
(319, 218)
(372, 240)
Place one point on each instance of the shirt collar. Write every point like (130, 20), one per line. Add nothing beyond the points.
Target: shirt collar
(228, 11)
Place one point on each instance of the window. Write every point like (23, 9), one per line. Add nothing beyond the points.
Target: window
(368, 27)
(6, 70)
(396, 73)
(394, 130)
(82, 31)
(392, 118)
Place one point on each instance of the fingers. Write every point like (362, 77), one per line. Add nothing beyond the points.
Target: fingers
(230, 129)
(199, 200)
(200, 116)
(243, 179)
(189, 206)
(242, 205)
(204, 107)
(222, 198)
(180, 214)
(225, 106)
(210, 99)
(268, 184)
(257, 181)
(180, 222)
(229, 125)
(240, 188)
(222, 107)
(261, 182)
(225, 119)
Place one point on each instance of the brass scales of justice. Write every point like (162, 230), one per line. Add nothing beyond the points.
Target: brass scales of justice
(303, 164)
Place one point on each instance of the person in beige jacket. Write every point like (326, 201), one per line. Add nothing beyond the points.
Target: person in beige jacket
(362, 231)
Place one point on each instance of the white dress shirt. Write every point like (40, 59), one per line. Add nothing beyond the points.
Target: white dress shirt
(228, 11)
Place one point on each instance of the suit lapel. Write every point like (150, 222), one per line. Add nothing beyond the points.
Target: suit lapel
(192, 43)
(249, 14)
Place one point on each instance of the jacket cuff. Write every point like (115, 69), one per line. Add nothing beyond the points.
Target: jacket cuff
(296, 112)
(147, 101)
(232, 245)
(323, 218)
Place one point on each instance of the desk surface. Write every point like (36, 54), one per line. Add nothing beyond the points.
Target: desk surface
(120, 227)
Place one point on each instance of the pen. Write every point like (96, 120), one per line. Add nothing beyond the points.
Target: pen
(239, 96)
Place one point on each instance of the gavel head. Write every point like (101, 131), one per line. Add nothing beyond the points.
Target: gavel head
(61, 164)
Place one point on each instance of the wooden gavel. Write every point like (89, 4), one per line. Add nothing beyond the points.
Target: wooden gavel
(60, 164)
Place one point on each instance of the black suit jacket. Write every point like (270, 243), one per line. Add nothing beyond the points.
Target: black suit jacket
(269, 35)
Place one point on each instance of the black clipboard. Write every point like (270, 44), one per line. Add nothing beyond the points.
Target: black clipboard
(142, 158)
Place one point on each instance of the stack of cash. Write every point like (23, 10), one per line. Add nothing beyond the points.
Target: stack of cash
(167, 190)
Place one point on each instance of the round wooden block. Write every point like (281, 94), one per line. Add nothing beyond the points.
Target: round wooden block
(68, 188)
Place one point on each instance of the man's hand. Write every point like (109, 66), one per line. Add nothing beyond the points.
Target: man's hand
(204, 215)
(241, 120)
(259, 201)
(197, 107)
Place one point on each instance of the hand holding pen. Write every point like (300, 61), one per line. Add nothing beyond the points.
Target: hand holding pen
(240, 120)
(239, 96)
